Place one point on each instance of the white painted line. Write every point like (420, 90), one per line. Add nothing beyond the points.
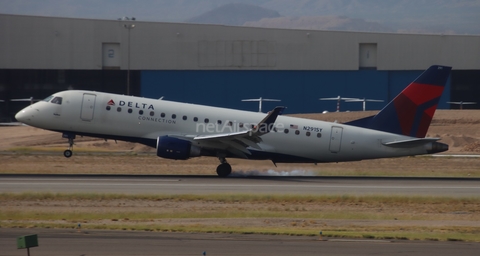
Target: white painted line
(459, 156)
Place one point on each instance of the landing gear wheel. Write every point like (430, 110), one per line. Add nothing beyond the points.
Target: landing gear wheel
(223, 170)
(67, 153)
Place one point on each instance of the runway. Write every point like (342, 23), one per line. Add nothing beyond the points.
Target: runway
(132, 184)
(123, 243)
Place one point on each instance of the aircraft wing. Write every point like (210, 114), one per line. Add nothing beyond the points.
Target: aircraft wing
(238, 142)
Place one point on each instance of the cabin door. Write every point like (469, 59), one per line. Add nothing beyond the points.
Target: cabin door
(336, 139)
(88, 106)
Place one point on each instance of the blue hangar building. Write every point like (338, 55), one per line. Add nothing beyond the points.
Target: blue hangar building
(221, 65)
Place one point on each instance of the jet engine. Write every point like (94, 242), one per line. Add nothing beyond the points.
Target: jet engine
(178, 149)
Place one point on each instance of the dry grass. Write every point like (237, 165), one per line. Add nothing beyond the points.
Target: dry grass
(434, 218)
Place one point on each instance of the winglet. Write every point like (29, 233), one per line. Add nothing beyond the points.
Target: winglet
(266, 125)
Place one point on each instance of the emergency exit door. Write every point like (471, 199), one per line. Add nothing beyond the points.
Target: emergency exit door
(88, 106)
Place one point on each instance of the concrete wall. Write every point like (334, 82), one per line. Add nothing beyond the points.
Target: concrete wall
(63, 43)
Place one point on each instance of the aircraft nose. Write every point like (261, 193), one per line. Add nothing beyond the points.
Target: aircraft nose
(24, 115)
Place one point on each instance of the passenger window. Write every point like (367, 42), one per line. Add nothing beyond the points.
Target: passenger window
(319, 135)
(195, 119)
(285, 131)
(57, 100)
(130, 110)
(219, 121)
(119, 109)
(174, 116)
(240, 125)
(297, 132)
(230, 123)
(108, 108)
(307, 133)
(162, 115)
(140, 112)
(184, 117)
(206, 120)
(152, 113)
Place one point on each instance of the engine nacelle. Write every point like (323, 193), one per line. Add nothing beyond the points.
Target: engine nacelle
(173, 148)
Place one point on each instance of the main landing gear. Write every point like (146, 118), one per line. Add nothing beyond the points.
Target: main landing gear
(224, 169)
(69, 152)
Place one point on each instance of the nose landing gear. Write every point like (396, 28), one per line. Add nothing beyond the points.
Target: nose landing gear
(224, 169)
(69, 152)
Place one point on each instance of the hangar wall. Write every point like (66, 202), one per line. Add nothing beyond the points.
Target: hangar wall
(299, 90)
(220, 65)
(30, 42)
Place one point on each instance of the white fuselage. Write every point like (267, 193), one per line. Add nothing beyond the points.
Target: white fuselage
(144, 120)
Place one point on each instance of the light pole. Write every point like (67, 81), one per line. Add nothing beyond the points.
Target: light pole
(128, 27)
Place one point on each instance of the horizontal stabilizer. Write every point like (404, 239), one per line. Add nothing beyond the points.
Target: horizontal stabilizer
(410, 142)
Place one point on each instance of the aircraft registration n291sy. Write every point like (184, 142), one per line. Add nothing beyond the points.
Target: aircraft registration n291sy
(181, 131)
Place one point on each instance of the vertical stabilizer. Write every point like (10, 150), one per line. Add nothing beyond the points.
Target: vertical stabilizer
(411, 112)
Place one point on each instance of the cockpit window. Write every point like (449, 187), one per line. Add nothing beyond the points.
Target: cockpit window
(47, 99)
(57, 100)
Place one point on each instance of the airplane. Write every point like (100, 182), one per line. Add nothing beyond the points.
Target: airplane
(338, 99)
(181, 130)
(31, 100)
(461, 103)
(260, 101)
(364, 101)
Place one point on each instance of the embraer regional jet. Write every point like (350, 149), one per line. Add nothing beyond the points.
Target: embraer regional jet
(181, 131)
